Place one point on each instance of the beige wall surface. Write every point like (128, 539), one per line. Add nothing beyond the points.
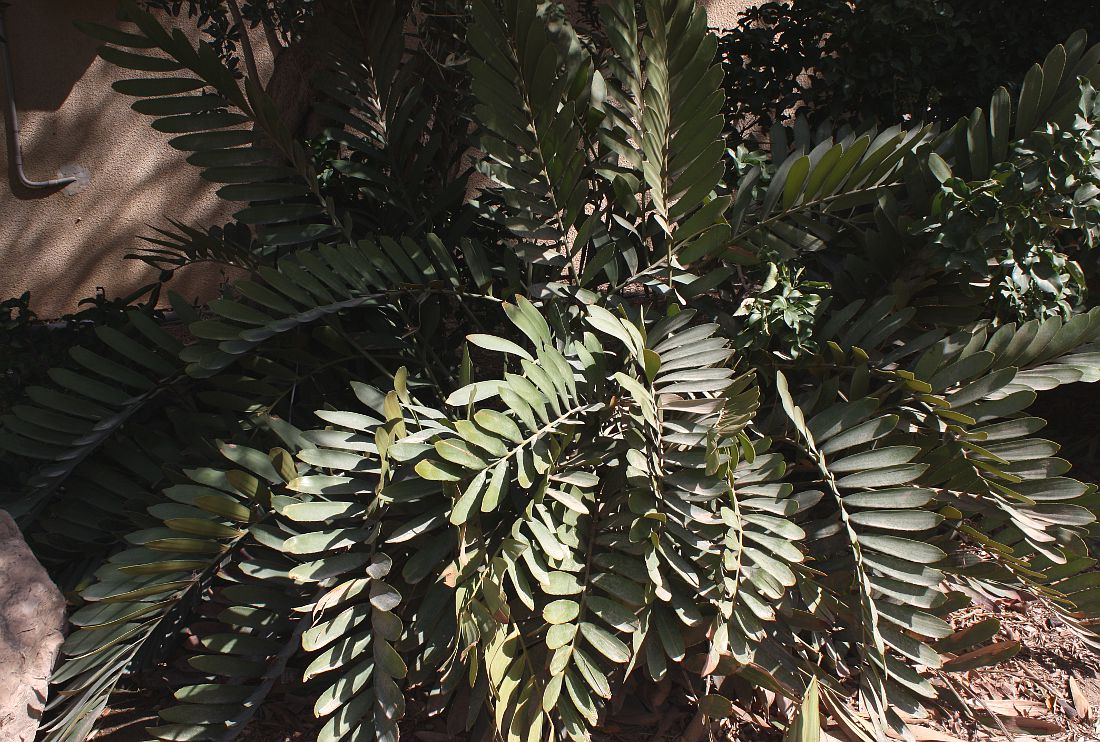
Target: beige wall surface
(724, 13)
(61, 246)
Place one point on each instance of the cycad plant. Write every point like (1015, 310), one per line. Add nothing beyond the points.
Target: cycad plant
(647, 405)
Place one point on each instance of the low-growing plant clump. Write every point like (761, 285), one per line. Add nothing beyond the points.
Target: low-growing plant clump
(647, 403)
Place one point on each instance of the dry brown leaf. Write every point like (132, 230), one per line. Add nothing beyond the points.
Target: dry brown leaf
(1014, 706)
(1080, 701)
(927, 734)
(1034, 726)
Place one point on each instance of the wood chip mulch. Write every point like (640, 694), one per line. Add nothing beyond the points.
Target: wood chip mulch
(1048, 692)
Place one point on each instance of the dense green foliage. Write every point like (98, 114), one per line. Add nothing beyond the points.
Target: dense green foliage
(650, 404)
(886, 60)
(30, 348)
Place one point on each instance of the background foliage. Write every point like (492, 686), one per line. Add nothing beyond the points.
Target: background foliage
(888, 61)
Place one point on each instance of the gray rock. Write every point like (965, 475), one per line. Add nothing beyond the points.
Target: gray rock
(32, 620)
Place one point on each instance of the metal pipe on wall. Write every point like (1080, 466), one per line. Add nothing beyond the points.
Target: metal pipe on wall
(13, 115)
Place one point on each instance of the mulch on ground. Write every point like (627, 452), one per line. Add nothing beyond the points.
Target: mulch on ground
(1049, 691)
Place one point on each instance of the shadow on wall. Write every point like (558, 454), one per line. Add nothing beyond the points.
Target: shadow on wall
(62, 247)
(32, 23)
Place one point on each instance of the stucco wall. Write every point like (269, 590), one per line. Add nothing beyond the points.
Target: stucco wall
(62, 247)
(724, 13)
